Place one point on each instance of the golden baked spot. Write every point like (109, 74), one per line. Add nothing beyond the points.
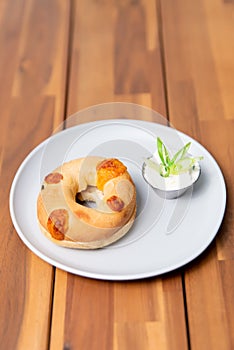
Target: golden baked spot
(82, 215)
(115, 203)
(57, 223)
(107, 170)
(53, 178)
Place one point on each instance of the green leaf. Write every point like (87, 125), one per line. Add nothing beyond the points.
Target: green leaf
(160, 151)
(164, 170)
(184, 164)
(163, 153)
(180, 163)
(181, 153)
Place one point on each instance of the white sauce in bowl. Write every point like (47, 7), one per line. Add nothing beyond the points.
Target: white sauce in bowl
(172, 182)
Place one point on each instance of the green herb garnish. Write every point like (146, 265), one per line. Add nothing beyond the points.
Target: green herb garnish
(179, 163)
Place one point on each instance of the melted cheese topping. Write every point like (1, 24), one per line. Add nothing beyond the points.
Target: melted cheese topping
(107, 170)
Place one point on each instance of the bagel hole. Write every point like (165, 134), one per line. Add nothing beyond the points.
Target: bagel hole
(85, 203)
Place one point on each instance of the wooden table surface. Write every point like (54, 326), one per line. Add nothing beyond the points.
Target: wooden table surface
(59, 56)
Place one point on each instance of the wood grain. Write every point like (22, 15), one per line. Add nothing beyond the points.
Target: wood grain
(58, 57)
(33, 51)
(199, 70)
(105, 67)
(99, 51)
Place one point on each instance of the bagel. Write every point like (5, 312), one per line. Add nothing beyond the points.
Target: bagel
(62, 215)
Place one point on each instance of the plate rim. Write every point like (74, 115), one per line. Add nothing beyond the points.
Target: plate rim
(107, 276)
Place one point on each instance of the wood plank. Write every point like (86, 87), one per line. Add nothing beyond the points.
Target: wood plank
(199, 70)
(33, 52)
(108, 315)
(97, 40)
(219, 18)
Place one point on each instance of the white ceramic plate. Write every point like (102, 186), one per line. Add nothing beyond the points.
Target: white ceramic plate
(166, 234)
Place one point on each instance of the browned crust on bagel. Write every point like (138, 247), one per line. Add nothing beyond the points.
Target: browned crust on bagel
(109, 169)
(100, 243)
(89, 228)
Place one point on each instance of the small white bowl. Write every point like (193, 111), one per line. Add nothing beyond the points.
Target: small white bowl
(171, 194)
